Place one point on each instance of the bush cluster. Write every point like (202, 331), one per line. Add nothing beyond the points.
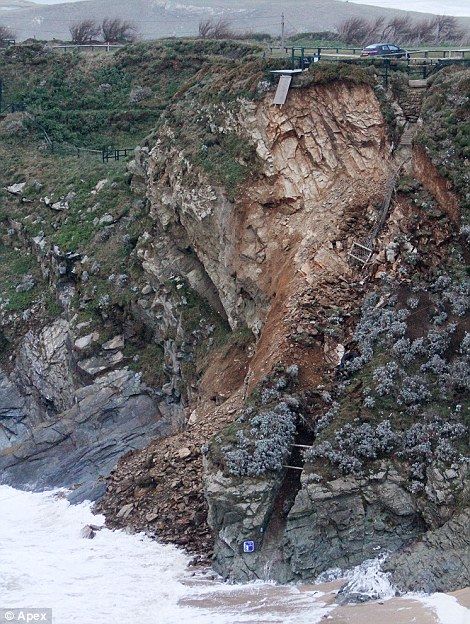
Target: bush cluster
(403, 376)
(422, 444)
(352, 445)
(265, 430)
(265, 444)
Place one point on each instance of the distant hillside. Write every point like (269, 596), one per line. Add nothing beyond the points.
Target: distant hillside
(157, 18)
(11, 5)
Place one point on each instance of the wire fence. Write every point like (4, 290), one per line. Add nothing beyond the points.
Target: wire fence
(105, 154)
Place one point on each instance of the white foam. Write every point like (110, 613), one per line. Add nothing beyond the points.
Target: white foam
(44, 562)
(447, 608)
(368, 580)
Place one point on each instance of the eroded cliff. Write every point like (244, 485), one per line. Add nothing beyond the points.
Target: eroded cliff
(206, 302)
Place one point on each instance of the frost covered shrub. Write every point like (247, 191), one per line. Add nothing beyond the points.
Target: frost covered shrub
(379, 323)
(412, 302)
(369, 401)
(265, 445)
(458, 377)
(435, 365)
(292, 371)
(384, 378)
(441, 283)
(438, 340)
(428, 441)
(440, 318)
(352, 445)
(465, 232)
(458, 297)
(420, 445)
(402, 347)
(465, 345)
(268, 395)
(327, 417)
(414, 391)
(281, 383)
(396, 329)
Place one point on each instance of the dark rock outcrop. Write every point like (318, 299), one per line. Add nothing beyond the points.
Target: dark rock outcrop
(439, 562)
(59, 431)
(334, 525)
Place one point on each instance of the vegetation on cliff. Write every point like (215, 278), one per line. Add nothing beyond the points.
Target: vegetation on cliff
(78, 218)
(445, 133)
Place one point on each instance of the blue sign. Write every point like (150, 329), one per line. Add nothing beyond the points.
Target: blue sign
(248, 546)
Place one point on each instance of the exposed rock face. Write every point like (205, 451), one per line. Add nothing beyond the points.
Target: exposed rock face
(58, 430)
(431, 179)
(349, 520)
(43, 366)
(440, 561)
(323, 161)
(337, 524)
(239, 510)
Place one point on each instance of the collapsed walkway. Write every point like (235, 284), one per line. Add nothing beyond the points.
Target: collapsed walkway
(361, 252)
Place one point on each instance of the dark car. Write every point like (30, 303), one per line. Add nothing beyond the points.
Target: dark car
(384, 49)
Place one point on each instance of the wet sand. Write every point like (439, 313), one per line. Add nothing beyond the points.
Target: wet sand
(393, 611)
(309, 604)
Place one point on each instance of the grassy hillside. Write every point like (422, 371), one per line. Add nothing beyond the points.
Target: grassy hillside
(77, 219)
(101, 100)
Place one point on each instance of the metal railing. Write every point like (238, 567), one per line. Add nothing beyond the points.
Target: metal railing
(100, 47)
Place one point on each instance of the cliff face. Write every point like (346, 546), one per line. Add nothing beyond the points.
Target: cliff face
(272, 259)
(322, 160)
(374, 477)
(66, 421)
(203, 307)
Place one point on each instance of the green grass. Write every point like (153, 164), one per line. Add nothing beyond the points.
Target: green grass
(228, 162)
(15, 264)
(151, 363)
(84, 100)
(446, 130)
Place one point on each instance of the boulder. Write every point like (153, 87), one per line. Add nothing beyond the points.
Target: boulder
(86, 341)
(16, 189)
(115, 343)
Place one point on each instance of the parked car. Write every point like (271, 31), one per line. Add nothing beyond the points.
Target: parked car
(385, 50)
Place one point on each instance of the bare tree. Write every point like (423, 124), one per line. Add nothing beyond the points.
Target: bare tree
(399, 30)
(423, 32)
(85, 31)
(116, 30)
(205, 27)
(354, 30)
(216, 29)
(402, 30)
(6, 34)
(446, 29)
(376, 29)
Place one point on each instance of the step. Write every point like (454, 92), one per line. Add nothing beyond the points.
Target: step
(418, 84)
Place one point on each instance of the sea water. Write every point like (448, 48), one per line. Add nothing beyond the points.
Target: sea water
(117, 577)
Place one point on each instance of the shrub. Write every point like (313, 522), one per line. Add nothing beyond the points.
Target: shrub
(384, 378)
(352, 445)
(414, 391)
(421, 444)
(116, 30)
(265, 445)
(6, 34)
